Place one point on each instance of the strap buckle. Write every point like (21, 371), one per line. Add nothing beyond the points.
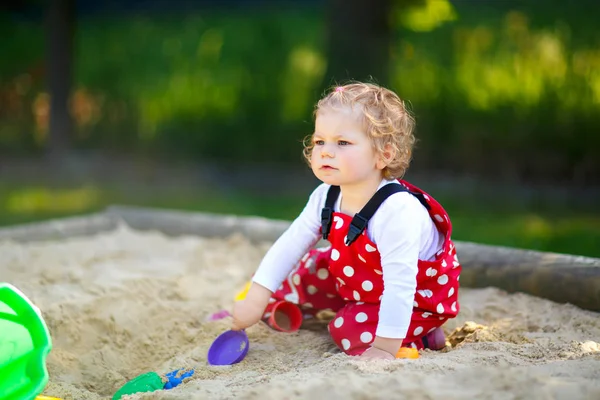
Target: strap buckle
(357, 226)
(326, 214)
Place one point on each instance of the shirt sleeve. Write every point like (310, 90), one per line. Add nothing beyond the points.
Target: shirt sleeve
(397, 230)
(289, 248)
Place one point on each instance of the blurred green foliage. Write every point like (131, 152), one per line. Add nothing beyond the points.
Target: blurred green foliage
(505, 89)
(508, 89)
(547, 229)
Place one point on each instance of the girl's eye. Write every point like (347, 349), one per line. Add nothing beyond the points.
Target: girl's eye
(343, 143)
(319, 142)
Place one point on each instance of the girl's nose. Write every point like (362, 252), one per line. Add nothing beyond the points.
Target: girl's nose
(327, 151)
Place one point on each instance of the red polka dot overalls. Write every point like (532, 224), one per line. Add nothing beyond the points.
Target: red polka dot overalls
(348, 280)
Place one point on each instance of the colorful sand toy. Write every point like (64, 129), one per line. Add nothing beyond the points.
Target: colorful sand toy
(148, 382)
(151, 381)
(285, 317)
(228, 348)
(407, 352)
(24, 345)
(241, 295)
(176, 377)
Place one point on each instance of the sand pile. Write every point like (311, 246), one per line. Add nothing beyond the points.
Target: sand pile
(125, 302)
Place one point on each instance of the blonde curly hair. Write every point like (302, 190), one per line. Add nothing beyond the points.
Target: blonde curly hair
(386, 120)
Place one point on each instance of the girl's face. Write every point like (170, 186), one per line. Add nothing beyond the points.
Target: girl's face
(342, 152)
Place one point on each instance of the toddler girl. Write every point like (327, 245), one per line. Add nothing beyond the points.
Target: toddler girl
(391, 272)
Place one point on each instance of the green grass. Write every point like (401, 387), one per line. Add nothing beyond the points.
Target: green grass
(552, 229)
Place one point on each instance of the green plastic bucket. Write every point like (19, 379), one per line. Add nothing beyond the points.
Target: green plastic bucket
(24, 344)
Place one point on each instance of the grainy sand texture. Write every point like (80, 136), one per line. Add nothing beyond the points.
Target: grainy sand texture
(125, 302)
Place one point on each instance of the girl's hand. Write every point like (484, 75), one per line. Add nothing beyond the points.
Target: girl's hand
(373, 353)
(249, 311)
(245, 314)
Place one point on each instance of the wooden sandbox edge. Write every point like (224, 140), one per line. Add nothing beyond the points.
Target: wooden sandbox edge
(558, 277)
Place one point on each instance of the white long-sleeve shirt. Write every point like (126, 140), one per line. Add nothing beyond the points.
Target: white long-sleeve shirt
(403, 232)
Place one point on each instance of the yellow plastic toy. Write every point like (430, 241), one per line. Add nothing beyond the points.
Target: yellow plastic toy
(242, 294)
(407, 352)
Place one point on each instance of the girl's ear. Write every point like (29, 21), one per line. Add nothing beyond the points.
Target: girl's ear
(386, 156)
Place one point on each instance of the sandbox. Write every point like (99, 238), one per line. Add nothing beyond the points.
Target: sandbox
(130, 290)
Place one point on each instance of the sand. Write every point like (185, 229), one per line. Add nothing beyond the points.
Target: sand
(126, 302)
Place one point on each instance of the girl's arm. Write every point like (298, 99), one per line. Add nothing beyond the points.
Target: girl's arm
(397, 229)
(279, 261)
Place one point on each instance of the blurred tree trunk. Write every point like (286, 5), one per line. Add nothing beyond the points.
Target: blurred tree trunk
(60, 26)
(358, 40)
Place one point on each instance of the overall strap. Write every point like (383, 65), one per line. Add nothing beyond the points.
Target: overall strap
(327, 211)
(361, 219)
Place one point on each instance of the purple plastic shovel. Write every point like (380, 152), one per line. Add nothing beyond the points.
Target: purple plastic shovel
(230, 347)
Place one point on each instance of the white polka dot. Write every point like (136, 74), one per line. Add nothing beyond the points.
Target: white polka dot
(415, 304)
(366, 337)
(378, 272)
(305, 257)
(431, 272)
(345, 344)
(450, 292)
(311, 289)
(307, 305)
(272, 300)
(418, 330)
(309, 264)
(432, 329)
(331, 295)
(443, 279)
(348, 271)
(339, 321)
(361, 258)
(323, 273)
(296, 279)
(367, 286)
(440, 309)
(444, 264)
(291, 297)
(267, 315)
(426, 314)
(356, 295)
(413, 345)
(369, 248)
(361, 317)
(358, 303)
(335, 255)
(453, 307)
(438, 217)
(341, 281)
(339, 222)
